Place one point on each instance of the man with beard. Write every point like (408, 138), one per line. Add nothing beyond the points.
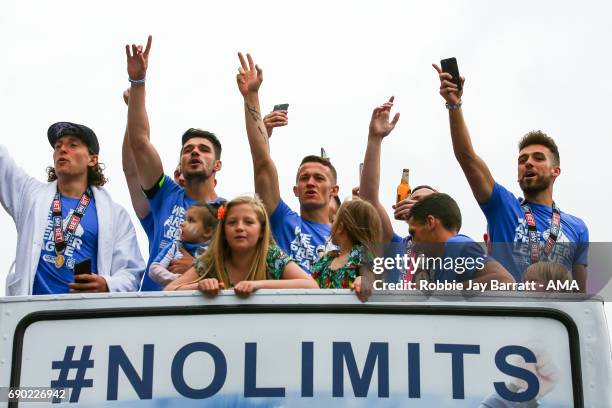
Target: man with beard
(522, 231)
(199, 162)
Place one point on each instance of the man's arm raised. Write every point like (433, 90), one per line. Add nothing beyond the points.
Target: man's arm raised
(380, 126)
(249, 79)
(475, 169)
(139, 201)
(148, 164)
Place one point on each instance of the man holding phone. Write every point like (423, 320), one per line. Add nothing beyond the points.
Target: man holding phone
(277, 118)
(69, 219)
(522, 231)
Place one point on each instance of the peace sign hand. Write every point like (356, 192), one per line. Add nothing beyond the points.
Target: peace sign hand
(249, 76)
(138, 60)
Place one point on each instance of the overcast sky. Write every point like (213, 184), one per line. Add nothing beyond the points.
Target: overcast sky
(529, 65)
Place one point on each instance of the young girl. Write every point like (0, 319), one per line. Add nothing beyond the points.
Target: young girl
(544, 274)
(243, 255)
(356, 231)
(196, 231)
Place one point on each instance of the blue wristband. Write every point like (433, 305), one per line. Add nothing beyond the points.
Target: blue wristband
(136, 81)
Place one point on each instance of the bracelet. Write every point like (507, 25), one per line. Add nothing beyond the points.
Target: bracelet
(136, 81)
(453, 107)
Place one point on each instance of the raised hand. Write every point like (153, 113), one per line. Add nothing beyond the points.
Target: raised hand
(250, 76)
(275, 119)
(448, 89)
(380, 126)
(138, 60)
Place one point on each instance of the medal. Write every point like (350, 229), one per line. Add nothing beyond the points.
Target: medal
(62, 238)
(59, 261)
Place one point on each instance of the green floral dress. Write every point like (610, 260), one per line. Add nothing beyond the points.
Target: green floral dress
(276, 261)
(343, 277)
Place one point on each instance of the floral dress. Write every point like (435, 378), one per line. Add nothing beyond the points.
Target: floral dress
(276, 261)
(343, 277)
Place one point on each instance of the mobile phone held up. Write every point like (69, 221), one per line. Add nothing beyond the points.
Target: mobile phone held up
(83, 267)
(450, 66)
(281, 107)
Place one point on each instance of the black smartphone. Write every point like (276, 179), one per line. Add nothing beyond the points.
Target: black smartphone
(450, 66)
(83, 267)
(282, 106)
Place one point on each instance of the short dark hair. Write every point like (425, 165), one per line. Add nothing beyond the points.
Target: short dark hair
(422, 186)
(322, 160)
(193, 132)
(538, 137)
(440, 206)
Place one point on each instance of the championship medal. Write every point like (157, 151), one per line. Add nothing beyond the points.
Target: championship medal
(59, 261)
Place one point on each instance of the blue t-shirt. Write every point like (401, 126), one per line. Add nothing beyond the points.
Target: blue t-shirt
(52, 280)
(168, 206)
(396, 247)
(148, 225)
(510, 237)
(305, 241)
(463, 257)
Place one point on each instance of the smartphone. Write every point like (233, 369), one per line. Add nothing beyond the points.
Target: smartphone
(450, 66)
(83, 267)
(282, 106)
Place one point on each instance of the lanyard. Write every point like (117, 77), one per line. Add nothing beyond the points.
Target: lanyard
(555, 228)
(63, 237)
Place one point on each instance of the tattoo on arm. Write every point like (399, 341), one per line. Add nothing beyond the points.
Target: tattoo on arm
(256, 116)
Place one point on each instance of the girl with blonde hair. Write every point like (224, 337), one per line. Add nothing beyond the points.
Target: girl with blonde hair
(243, 255)
(356, 231)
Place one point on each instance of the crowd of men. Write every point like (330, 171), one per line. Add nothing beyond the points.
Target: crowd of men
(71, 218)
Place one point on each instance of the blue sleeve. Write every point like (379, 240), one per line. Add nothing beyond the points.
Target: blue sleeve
(167, 187)
(582, 247)
(163, 252)
(281, 211)
(474, 251)
(283, 222)
(148, 225)
(466, 254)
(500, 197)
(396, 238)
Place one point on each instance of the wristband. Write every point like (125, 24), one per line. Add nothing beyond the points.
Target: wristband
(136, 81)
(453, 107)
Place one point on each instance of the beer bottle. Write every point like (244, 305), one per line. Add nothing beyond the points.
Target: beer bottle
(403, 190)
